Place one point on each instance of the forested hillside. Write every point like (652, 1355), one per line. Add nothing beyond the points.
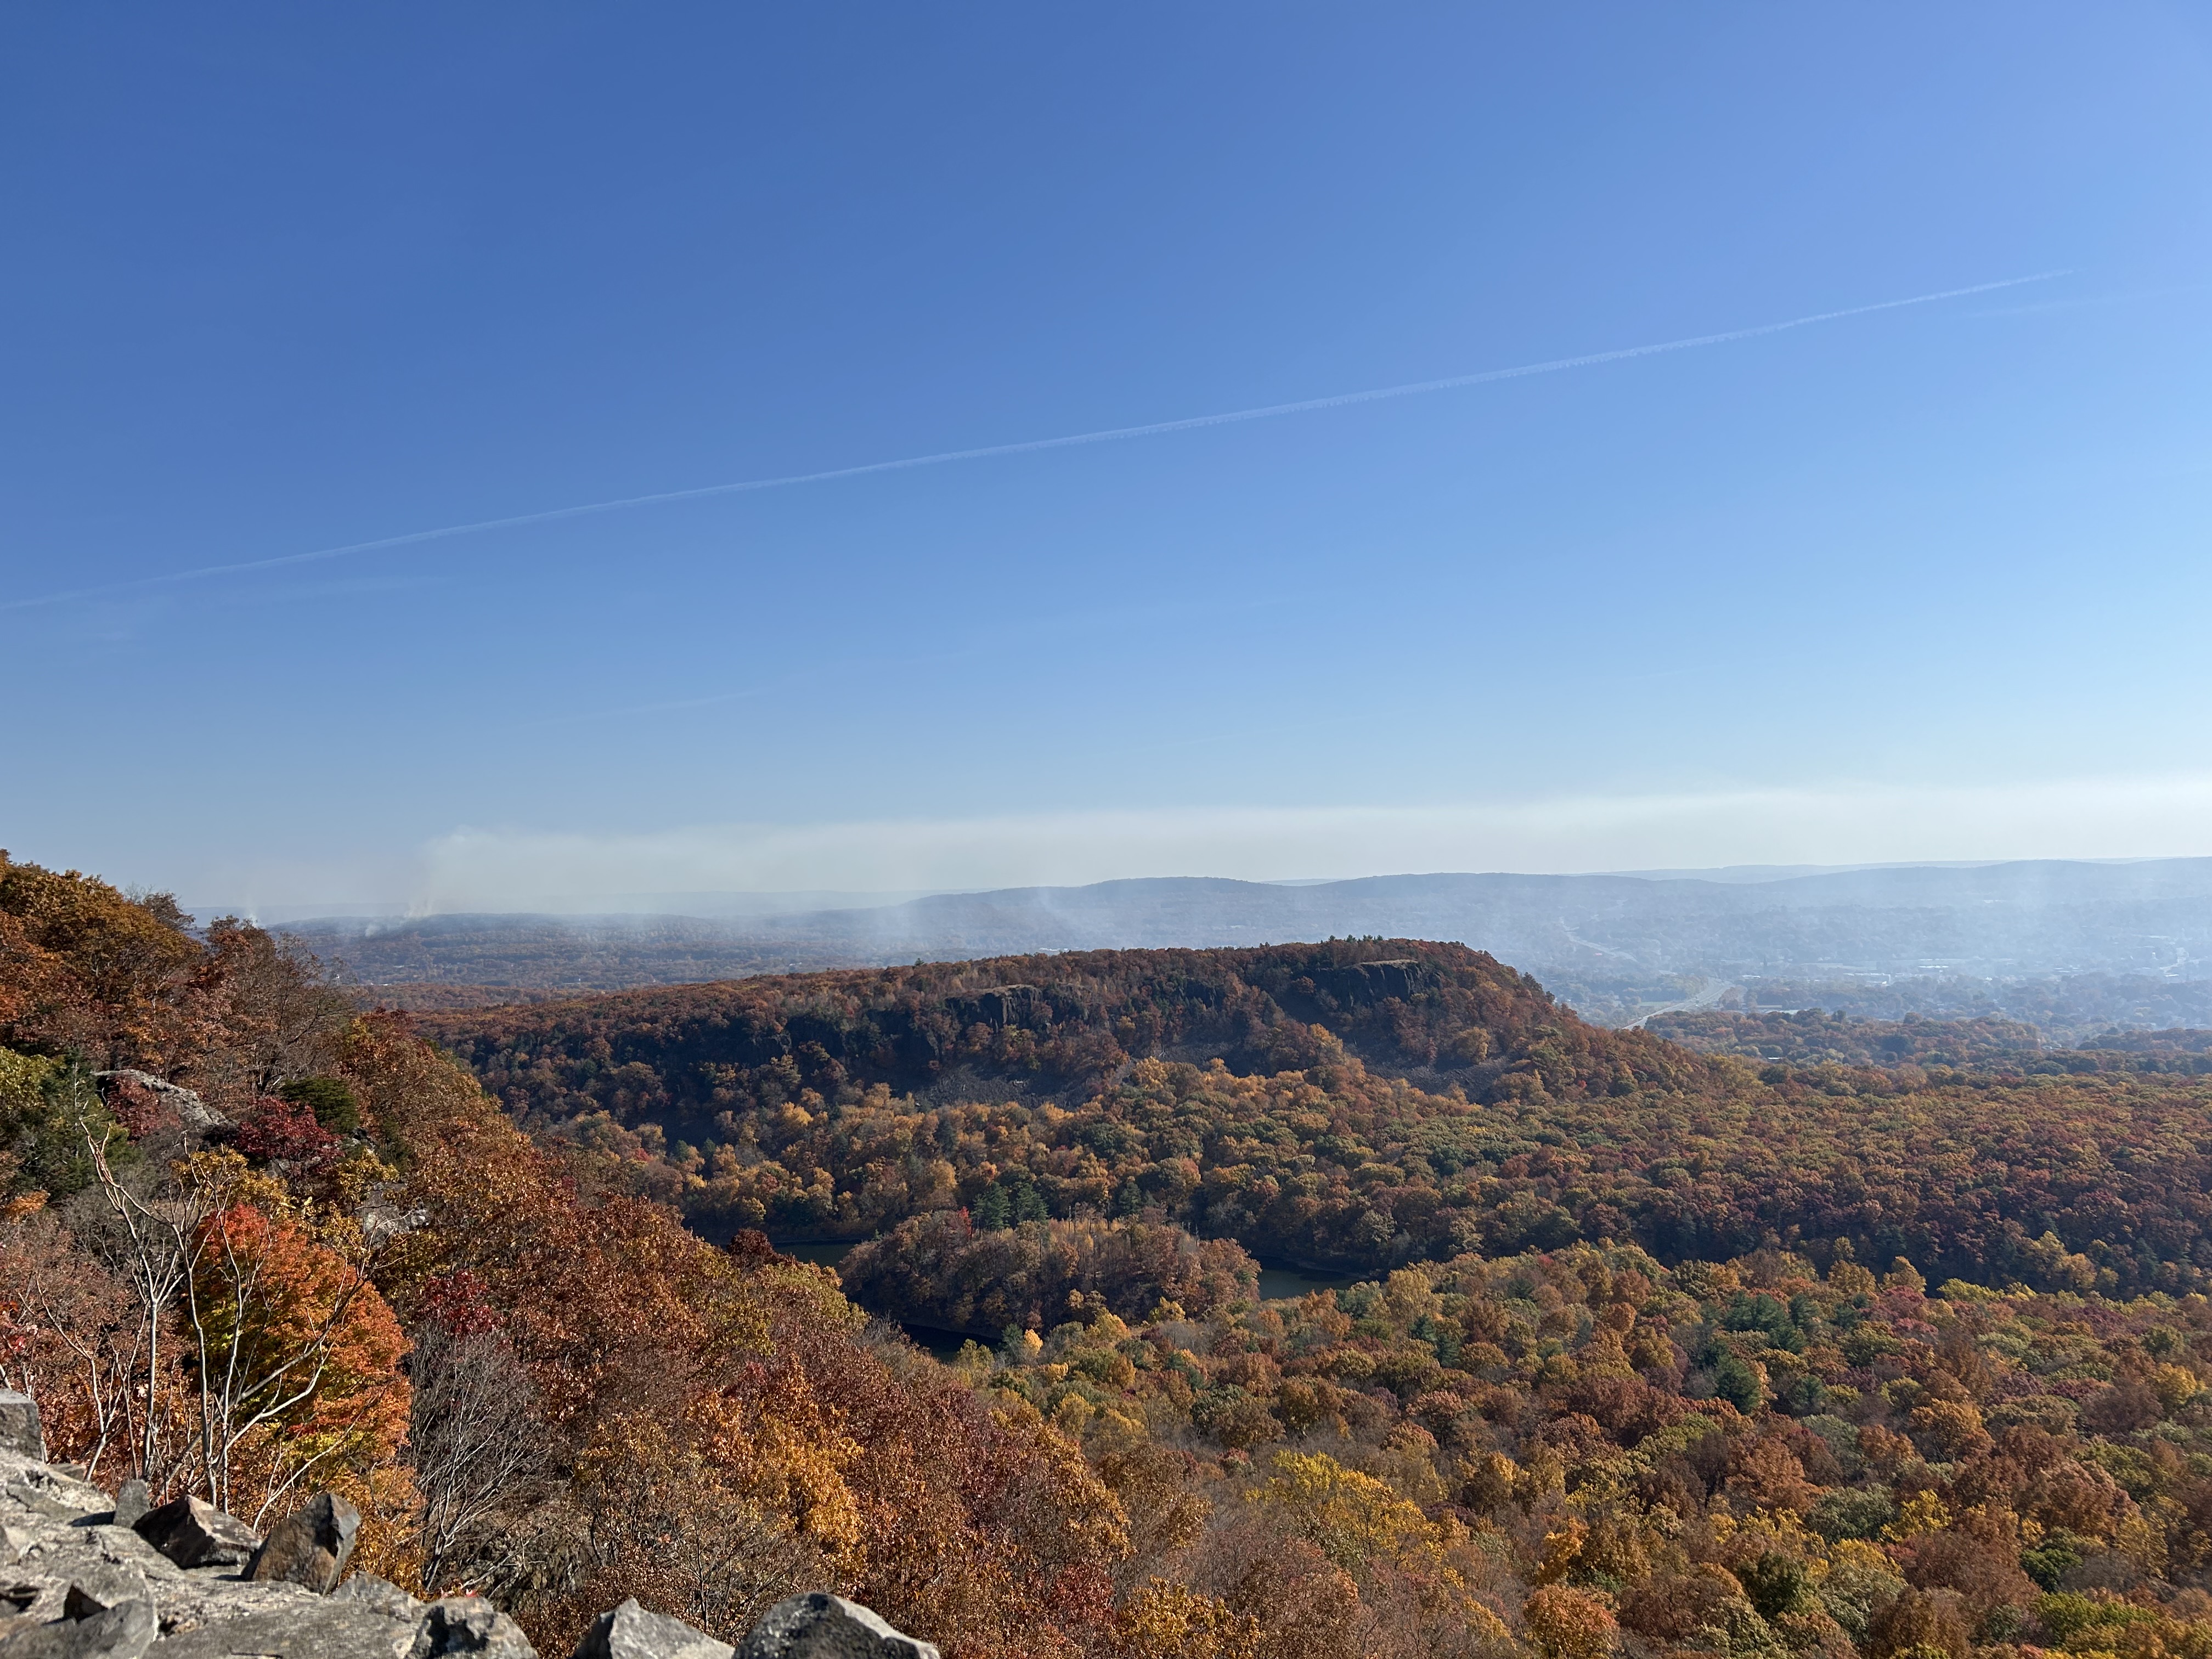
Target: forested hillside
(252, 1243)
(1816, 1036)
(332, 1263)
(526, 957)
(1365, 1103)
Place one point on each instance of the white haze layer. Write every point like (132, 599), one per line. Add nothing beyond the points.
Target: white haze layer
(492, 869)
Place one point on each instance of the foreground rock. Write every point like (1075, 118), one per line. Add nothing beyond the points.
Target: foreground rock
(631, 1632)
(193, 1533)
(469, 1624)
(123, 1632)
(77, 1586)
(825, 1626)
(309, 1547)
(73, 1584)
(19, 1425)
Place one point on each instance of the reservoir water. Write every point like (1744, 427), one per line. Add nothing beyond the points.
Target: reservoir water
(824, 1255)
(944, 1345)
(1278, 1283)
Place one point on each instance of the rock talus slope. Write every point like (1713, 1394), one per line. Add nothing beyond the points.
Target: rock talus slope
(76, 1584)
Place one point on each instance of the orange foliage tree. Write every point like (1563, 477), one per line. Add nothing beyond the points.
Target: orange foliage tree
(297, 1356)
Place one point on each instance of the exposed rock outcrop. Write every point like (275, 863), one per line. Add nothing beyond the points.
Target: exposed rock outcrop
(124, 1632)
(1363, 984)
(190, 1110)
(467, 1624)
(75, 1584)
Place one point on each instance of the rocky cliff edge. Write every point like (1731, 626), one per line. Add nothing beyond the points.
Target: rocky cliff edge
(88, 1574)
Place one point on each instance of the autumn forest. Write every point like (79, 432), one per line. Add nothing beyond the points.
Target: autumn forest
(1784, 1336)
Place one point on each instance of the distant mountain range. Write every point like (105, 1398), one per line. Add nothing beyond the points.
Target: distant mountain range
(2070, 946)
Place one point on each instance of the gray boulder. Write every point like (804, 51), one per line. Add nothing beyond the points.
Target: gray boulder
(309, 1547)
(132, 1501)
(365, 1618)
(96, 1587)
(631, 1632)
(825, 1626)
(193, 1533)
(467, 1623)
(314, 1627)
(380, 1593)
(19, 1425)
(44, 1490)
(124, 1631)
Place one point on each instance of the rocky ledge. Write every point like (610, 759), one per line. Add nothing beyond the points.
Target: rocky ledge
(87, 1574)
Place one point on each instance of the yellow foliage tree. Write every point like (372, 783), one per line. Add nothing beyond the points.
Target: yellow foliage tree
(1171, 1621)
(1349, 1516)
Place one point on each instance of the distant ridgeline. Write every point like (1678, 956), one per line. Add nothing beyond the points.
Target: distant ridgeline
(2072, 948)
(1359, 1103)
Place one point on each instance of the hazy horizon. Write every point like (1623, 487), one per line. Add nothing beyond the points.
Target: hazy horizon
(767, 906)
(2071, 947)
(507, 869)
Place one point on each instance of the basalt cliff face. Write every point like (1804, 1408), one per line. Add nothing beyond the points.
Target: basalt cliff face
(89, 1574)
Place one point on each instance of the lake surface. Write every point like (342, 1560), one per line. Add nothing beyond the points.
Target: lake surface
(945, 1345)
(825, 1256)
(1281, 1284)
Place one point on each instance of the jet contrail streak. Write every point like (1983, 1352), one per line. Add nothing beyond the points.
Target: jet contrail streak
(1111, 435)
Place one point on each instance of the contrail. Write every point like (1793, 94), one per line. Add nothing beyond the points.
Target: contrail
(1112, 434)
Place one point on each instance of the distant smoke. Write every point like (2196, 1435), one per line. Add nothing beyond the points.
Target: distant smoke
(1111, 435)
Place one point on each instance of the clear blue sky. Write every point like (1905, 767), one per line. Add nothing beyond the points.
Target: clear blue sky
(1927, 582)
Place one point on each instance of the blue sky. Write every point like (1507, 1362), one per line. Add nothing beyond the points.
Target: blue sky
(1925, 582)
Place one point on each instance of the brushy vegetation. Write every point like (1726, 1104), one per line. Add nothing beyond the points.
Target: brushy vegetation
(1583, 1450)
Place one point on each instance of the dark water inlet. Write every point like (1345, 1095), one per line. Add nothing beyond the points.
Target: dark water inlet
(1276, 1284)
(1282, 1284)
(944, 1345)
(822, 1254)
